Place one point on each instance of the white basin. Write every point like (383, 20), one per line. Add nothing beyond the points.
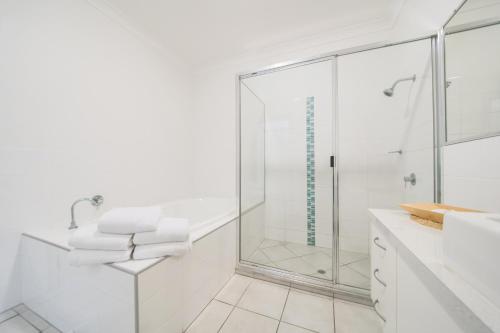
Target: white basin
(471, 246)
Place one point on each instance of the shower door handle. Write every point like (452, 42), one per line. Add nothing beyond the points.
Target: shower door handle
(332, 161)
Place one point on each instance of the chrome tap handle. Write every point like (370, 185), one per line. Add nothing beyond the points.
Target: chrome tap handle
(412, 179)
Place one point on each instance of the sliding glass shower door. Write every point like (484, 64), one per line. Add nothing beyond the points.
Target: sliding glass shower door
(383, 139)
(287, 139)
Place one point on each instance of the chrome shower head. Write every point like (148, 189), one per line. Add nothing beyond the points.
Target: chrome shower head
(389, 92)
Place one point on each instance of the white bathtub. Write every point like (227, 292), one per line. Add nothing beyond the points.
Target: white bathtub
(152, 295)
(204, 214)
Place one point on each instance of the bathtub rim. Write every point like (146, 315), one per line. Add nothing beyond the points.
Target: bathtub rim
(133, 267)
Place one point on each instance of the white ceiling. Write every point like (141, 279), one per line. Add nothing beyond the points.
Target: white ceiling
(202, 31)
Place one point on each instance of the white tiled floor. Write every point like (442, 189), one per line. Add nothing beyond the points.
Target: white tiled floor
(251, 305)
(20, 319)
(247, 305)
(310, 260)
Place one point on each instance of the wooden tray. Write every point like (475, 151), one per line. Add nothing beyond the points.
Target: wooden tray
(426, 210)
(427, 223)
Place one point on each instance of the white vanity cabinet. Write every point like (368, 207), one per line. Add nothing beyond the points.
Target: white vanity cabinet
(412, 290)
(419, 310)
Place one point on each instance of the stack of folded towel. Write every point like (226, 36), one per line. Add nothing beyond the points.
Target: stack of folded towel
(94, 247)
(171, 238)
(110, 240)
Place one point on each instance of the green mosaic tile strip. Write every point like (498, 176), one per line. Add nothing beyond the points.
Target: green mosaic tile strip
(311, 178)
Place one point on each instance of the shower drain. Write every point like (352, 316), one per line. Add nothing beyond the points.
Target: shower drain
(321, 271)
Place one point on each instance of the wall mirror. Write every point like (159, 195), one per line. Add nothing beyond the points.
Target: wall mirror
(472, 51)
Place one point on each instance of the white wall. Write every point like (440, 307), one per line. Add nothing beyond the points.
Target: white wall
(471, 173)
(87, 107)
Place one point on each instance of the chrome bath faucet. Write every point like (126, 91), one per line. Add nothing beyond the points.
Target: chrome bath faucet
(96, 201)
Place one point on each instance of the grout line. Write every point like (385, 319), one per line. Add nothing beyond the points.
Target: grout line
(243, 293)
(358, 271)
(32, 325)
(234, 306)
(211, 300)
(355, 271)
(6, 320)
(260, 314)
(355, 261)
(224, 322)
(275, 264)
(218, 300)
(27, 309)
(199, 314)
(15, 315)
(304, 328)
(296, 255)
(283, 310)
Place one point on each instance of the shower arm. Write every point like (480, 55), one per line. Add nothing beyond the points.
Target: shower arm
(409, 78)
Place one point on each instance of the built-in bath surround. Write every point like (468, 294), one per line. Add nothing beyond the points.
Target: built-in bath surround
(137, 296)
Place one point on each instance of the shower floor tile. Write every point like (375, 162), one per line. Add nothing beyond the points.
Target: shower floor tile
(277, 253)
(313, 261)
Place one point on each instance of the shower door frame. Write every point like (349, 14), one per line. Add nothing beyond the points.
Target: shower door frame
(318, 285)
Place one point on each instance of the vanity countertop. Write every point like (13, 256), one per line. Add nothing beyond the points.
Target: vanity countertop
(426, 244)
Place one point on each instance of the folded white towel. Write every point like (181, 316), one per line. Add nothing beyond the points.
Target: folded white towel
(161, 250)
(130, 220)
(79, 257)
(169, 230)
(89, 238)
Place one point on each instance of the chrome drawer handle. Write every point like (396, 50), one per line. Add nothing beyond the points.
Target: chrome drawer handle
(376, 311)
(377, 278)
(375, 241)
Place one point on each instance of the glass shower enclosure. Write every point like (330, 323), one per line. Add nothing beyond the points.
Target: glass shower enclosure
(321, 144)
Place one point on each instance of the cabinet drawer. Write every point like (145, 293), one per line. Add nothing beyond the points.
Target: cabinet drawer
(383, 277)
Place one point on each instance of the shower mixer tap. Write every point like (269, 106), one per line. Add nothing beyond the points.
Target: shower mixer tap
(412, 179)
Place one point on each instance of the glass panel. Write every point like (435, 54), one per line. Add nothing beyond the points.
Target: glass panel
(384, 136)
(290, 225)
(253, 155)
